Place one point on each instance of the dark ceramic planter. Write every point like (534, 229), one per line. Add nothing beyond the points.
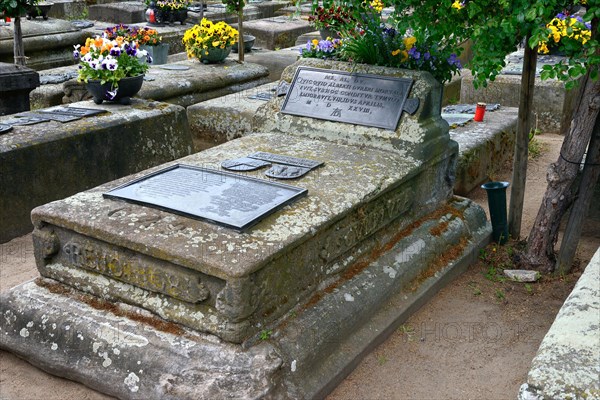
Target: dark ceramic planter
(248, 44)
(213, 56)
(39, 10)
(128, 87)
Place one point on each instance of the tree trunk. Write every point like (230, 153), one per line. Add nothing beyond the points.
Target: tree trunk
(581, 206)
(517, 191)
(241, 33)
(19, 50)
(560, 176)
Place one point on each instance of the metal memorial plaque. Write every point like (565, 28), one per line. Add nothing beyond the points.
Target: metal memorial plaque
(244, 164)
(25, 120)
(54, 116)
(287, 160)
(455, 120)
(286, 172)
(173, 67)
(5, 128)
(266, 96)
(81, 112)
(362, 99)
(225, 198)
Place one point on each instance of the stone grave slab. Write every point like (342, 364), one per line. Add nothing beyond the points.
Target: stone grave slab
(550, 101)
(277, 32)
(67, 9)
(91, 150)
(16, 82)
(125, 12)
(47, 43)
(216, 121)
(484, 147)
(378, 217)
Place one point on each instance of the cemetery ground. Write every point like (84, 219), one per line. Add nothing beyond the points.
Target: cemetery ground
(475, 339)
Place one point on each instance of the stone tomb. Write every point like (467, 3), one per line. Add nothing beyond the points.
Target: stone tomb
(144, 303)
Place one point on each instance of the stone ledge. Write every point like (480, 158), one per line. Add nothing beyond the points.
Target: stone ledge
(567, 364)
(51, 160)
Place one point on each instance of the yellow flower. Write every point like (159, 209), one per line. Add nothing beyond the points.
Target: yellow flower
(457, 4)
(315, 42)
(409, 42)
(543, 48)
(396, 52)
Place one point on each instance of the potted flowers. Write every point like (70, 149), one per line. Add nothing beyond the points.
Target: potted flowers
(171, 11)
(147, 39)
(113, 69)
(208, 42)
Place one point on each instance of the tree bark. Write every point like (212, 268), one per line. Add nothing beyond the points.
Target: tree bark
(560, 177)
(18, 48)
(581, 206)
(517, 191)
(241, 33)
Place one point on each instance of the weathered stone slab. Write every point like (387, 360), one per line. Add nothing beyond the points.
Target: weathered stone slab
(276, 33)
(219, 120)
(51, 160)
(567, 364)
(244, 267)
(67, 9)
(484, 147)
(128, 353)
(47, 43)
(126, 12)
(114, 348)
(16, 82)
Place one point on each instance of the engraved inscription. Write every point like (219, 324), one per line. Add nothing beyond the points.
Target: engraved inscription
(230, 199)
(181, 285)
(361, 99)
(287, 160)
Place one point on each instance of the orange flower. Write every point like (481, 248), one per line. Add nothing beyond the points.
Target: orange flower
(84, 50)
(98, 42)
(146, 38)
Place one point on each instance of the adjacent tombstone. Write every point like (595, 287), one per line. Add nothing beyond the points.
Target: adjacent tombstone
(16, 82)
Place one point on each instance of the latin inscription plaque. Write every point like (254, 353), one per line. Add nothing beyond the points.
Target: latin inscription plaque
(362, 99)
(225, 198)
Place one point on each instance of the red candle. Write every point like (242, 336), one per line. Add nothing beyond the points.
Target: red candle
(479, 112)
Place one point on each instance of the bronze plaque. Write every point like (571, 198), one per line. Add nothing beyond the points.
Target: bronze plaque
(225, 198)
(362, 99)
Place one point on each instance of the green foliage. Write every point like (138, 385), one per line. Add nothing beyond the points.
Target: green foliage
(265, 334)
(15, 8)
(497, 27)
(234, 5)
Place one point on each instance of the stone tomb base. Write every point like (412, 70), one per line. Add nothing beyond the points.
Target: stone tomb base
(283, 311)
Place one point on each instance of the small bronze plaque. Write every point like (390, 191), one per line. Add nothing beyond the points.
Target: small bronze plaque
(287, 160)
(286, 172)
(244, 164)
(225, 198)
(362, 99)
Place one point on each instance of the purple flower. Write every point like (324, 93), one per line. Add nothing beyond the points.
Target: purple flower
(426, 56)
(76, 54)
(325, 46)
(115, 52)
(453, 60)
(414, 53)
(561, 16)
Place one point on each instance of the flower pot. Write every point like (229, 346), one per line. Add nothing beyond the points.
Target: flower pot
(126, 89)
(248, 44)
(40, 9)
(178, 16)
(213, 55)
(158, 52)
